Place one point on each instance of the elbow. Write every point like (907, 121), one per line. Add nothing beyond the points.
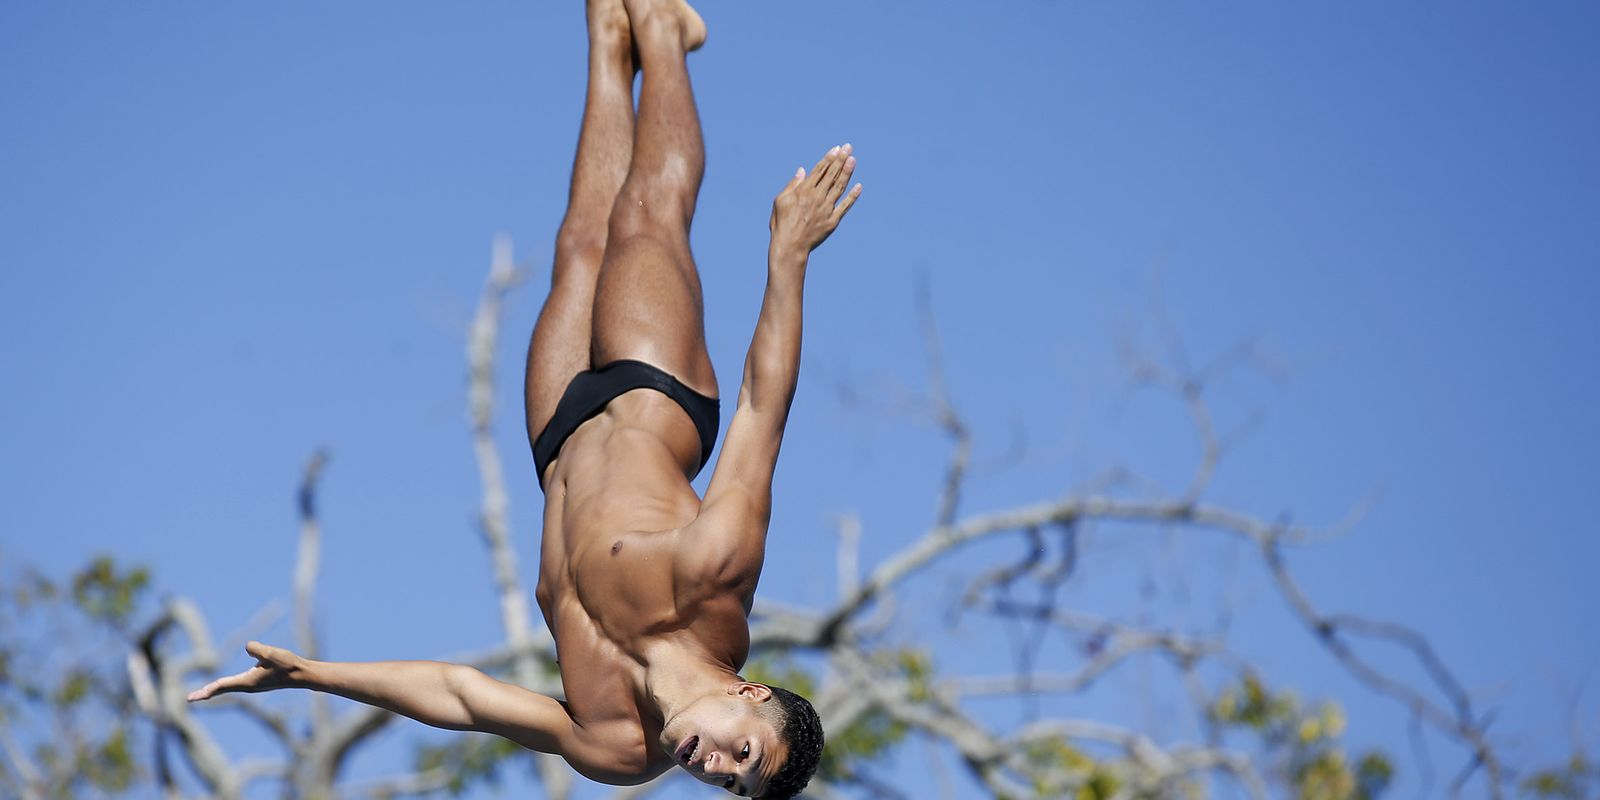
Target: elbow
(461, 683)
(774, 404)
(771, 387)
(458, 678)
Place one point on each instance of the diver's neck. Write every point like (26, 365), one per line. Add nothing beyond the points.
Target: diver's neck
(676, 676)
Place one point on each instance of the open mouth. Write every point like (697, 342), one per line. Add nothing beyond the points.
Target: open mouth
(688, 749)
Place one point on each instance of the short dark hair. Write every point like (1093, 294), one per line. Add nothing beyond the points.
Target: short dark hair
(800, 728)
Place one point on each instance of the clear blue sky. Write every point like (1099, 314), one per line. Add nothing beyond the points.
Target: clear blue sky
(230, 235)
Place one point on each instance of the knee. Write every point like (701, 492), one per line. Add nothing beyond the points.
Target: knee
(646, 208)
(579, 251)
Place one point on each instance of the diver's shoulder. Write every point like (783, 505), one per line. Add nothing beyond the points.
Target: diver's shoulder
(618, 752)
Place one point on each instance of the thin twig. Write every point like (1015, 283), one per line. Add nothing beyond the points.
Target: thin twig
(306, 566)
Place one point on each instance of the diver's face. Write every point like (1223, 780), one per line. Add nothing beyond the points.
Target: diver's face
(721, 740)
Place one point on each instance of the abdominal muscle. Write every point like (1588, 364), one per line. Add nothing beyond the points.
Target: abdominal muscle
(616, 498)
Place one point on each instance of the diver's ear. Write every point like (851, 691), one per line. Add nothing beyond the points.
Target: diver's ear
(754, 692)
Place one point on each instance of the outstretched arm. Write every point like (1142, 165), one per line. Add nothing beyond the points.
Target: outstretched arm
(738, 502)
(443, 695)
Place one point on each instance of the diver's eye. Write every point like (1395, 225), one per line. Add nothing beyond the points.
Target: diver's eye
(746, 752)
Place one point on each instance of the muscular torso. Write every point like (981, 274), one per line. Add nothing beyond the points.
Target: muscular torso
(612, 577)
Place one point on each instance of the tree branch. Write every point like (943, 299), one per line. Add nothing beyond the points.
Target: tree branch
(1462, 725)
(493, 516)
(306, 566)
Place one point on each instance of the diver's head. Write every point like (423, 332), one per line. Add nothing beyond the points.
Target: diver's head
(752, 739)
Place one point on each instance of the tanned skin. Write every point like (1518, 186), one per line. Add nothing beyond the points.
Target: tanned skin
(645, 585)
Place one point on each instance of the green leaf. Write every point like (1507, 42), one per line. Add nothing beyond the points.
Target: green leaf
(74, 689)
(107, 594)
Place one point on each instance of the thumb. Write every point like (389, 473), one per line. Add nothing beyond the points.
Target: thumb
(266, 652)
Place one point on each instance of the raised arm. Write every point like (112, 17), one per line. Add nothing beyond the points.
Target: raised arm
(738, 502)
(452, 696)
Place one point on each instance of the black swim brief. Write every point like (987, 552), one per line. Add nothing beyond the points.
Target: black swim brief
(589, 392)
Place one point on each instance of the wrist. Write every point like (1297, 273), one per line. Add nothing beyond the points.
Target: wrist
(310, 674)
(784, 258)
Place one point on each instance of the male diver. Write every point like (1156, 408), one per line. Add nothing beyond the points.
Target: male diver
(645, 585)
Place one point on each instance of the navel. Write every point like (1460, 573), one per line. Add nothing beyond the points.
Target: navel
(616, 548)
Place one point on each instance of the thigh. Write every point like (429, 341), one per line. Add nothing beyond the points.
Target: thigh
(560, 346)
(647, 307)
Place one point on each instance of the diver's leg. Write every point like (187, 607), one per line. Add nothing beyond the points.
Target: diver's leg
(560, 347)
(648, 304)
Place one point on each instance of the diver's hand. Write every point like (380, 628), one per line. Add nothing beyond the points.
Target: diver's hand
(809, 208)
(276, 668)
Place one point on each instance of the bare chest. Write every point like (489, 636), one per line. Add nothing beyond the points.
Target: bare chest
(611, 533)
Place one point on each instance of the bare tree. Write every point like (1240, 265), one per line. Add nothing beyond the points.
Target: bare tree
(176, 649)
(876, 695)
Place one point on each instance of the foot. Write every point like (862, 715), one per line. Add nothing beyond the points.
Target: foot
(608, 24)
(676, 13)
(694, 28)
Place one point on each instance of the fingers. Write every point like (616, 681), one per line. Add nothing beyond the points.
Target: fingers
(819, 174)
(832, 173)
(849, 200)
(272, 664)
(221, 686)
(267, 654)
(812, 204)
(841, 176)
(799, 177)
(837, 162)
